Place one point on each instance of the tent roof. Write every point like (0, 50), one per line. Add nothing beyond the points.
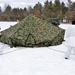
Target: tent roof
(32, 25)
(35, 27)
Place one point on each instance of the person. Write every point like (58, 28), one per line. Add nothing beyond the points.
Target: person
(69, 37)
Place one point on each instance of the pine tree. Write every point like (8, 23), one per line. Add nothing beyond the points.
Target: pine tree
(57, 9)
(73, 9)
(63, 9)
(48, 10)
(38, 6)
(0, 9)
(69, 4)
(8, 10)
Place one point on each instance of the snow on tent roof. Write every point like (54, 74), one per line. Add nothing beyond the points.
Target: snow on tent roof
(31, 32)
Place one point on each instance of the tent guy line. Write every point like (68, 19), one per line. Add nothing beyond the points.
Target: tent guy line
(58, 51)
(3, 47)
(18, 49)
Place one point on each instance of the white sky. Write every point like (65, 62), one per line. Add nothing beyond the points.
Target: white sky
(73, 0)
(23, 3)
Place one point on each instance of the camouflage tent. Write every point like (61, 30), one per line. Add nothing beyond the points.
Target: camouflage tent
(32, 32)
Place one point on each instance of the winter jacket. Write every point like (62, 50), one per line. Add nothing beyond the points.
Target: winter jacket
(69, 36)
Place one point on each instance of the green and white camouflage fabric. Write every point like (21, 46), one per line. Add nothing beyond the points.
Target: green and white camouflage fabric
(32, 32)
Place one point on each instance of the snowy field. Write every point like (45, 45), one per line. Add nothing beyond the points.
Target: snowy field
(35, 61)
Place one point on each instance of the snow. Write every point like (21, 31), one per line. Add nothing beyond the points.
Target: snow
(4, 25)
(65, 26)
(35, 61)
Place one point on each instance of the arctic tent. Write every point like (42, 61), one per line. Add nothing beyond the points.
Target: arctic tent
(32, 32)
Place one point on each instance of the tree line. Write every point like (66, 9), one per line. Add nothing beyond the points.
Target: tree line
(50, 9)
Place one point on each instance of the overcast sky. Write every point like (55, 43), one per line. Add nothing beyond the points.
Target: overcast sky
(23, 3)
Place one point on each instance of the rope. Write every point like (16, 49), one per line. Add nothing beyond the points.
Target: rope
(4, 47)
(58, 51)
(9, 52)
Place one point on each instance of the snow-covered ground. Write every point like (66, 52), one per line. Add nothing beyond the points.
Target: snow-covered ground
(65, 26)
(4, 25)
(35, 61)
